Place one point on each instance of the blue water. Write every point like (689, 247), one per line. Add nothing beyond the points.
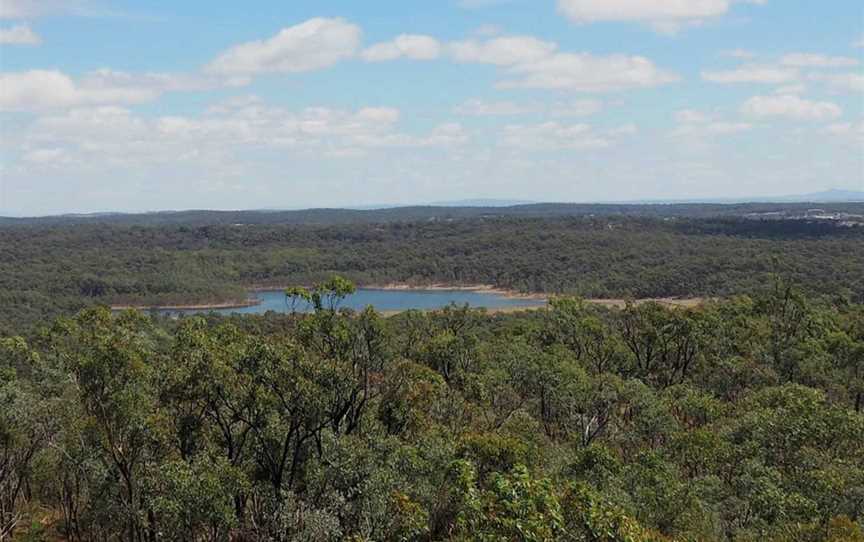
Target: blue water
(384, 300)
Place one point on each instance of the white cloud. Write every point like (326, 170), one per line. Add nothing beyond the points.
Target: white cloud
(478, 4)
(551, 136)
(111, 136)
(413, 46)
(848, 132)
(312, 45)
(738, 53)
(20, 34)
(505, 108)
(36, 90)
(95, 138)
(86, 123)
(576, 108)
(698, 124)
(672, 28)
(51, 156)
(841, 82)
(664, 15)
(584, 72)
(859, 43)
(791, 89)
(44, 89)
(690, 116)
(555, 136)
(24, 9)
(384, 115)
(235, 102)
(752, 74)
(444, 135)
(483, 108)
(811, 60)
(708, 129)
(846, 128)
(792, 107)
(641, 10)
(787, 73)
(853, 130)
(624, 130)
(158, 82)
(504, 51)
(728, 127)
(533, 63)
(487, 30)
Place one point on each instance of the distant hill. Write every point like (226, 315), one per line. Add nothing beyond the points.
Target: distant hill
(481, 203)
(324, 217)
(828, 196)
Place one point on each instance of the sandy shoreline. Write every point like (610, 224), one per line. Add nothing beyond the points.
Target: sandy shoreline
(483, 288)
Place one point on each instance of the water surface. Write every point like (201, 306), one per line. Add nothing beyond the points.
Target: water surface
(384, 301)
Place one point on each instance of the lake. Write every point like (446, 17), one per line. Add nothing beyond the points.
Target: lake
(385, 301)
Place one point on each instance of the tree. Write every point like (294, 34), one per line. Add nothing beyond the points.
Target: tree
(110, 361)
(25, 429)
(513, 506)
(665, 343)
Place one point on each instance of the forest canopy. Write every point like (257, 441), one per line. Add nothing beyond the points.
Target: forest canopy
(46, 271)
(736, 420)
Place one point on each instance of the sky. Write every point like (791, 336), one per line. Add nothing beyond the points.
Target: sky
(209, 104)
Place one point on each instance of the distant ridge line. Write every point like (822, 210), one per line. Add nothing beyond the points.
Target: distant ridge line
(828, 196)
(335, 216)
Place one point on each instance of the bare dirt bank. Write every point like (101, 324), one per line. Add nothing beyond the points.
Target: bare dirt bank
(485, 288)
(689, 302)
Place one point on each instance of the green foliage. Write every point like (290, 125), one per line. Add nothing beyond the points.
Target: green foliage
(191, 498)
(737, 420)
(513, 506)
(590, 518)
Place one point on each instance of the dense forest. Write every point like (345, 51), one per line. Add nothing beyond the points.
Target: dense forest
(738, 420)
(46, 270)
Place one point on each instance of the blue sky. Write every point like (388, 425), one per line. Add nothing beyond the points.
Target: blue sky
(134, 106)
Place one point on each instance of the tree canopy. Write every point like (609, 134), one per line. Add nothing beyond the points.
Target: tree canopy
(735, 420)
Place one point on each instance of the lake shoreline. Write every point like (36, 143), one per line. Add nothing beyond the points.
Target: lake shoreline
(398, 286)
(482, 288)
(395, 286)
(190, 307)
(435, 287)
